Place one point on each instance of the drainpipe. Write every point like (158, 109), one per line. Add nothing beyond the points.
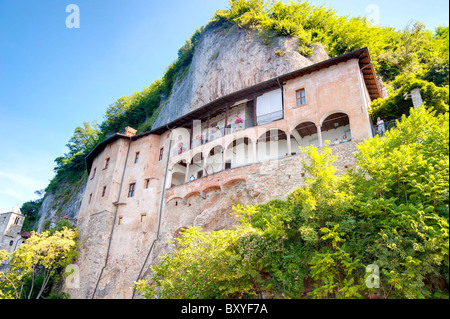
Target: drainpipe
(114, 221)
(161, 207)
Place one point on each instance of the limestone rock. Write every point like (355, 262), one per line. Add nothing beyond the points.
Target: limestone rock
(227, 61)
(55, 207)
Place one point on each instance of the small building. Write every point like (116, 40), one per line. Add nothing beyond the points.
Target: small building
(11, 235)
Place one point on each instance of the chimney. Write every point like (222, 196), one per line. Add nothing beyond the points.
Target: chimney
(129, 131)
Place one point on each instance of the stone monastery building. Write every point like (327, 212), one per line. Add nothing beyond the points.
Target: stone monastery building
(11, 234)
(143, 188)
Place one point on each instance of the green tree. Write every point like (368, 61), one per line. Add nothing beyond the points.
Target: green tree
(202, 267)
(395, 105)
(42, 257)
(84, 138)
(31, 211)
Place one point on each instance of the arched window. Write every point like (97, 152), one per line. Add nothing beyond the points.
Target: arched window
(271, 145)
(336, 125)
(304, 134)
(214, 162)
(238, 153)
(196, 167)
(178, 174)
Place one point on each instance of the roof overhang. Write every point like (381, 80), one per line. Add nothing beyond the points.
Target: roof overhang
(89, 159)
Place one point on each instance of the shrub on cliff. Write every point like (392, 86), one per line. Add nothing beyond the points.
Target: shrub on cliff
(395, 105)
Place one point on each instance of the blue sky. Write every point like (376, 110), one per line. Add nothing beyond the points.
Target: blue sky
(53, 78)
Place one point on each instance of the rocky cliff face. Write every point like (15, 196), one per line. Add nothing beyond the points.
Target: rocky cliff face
(226, 61)
(63, 204)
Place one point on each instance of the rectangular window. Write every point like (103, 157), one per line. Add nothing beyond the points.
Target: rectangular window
(107, 163)
(90, 198)
(301, 97)
(143, 217)
(16, 221)
(93, 174)
(269, 107)
(131, 190)
(104, 191)
(161, 153)
(120, 220)
(136, 159)
(147, 183)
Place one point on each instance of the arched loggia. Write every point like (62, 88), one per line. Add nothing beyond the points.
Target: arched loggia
(336, 125)
(271, 145)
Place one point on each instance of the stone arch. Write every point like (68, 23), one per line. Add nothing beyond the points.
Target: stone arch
(336, 125)
(304, 134)
(190, 194)
(228, 139)
(196, 166)
(175, 201)
(238, 152)
(212, 148)
(214, 159)
(307, 120)
(178, 173)
(327, 114)
(271, 144)
(211, 189)
(233, 181)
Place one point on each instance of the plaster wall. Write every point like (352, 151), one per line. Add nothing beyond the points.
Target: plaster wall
(334, 89)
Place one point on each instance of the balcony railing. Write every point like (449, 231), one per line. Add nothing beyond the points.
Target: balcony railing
(231, 128)
(213, 135)
(388, 126)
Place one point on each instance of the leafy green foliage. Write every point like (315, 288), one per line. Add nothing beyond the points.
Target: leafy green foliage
(392, 211)
(71, 167)
(31, 211)
(395, 105)
(204, 267)
(413, 50)
(405, 59)
(37, 263)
